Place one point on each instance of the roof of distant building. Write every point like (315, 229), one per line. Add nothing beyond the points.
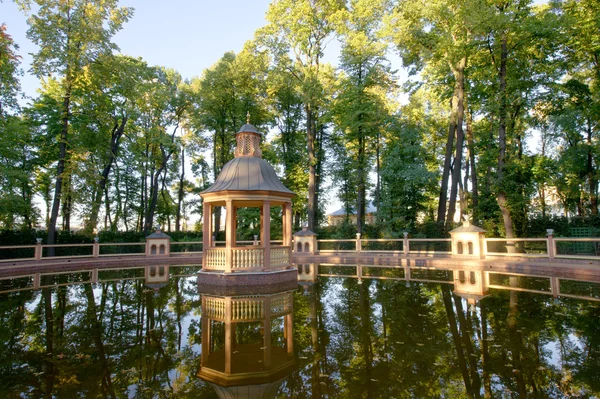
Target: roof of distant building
(370, 208)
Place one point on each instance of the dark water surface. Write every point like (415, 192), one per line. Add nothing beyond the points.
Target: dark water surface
(340, 337)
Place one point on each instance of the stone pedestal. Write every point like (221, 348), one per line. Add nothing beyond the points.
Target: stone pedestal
(467, 241)
(305, 242)
(158, 244)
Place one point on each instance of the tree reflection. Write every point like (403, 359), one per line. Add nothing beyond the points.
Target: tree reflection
(352, 339)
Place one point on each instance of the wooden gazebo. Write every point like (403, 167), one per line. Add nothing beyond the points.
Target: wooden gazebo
(247, 181)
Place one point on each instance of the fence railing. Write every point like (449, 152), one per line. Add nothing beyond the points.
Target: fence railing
(247, 256)
(523, 247)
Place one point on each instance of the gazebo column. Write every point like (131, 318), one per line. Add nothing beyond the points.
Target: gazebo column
(288, 333)
(230, 235)
(267, 334)
(205, 339)
(287, 224)
(207, 228)
(266, 232)
(228, 335)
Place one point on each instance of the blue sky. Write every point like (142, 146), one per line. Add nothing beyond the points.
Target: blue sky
(188, 36)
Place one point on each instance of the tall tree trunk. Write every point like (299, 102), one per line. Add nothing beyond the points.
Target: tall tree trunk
(312, 162)
(441, 214)
(501, 199)
(592, 180)
(459, 104)
(116, 134)
(378, 173)
(155, 177)
(60, 168)
(180, 192)
(471, 154)
(362, 184)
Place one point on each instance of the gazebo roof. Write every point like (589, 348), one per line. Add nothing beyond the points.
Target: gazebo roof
(248, 171)
(249, 128)
(247, 174)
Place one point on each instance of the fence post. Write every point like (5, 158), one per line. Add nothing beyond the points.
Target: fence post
(358, 243)
(96, 247)
(550, 243)
(38, 249)
(405, 243)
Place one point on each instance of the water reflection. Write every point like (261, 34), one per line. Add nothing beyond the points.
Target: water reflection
(337, 336)
(247, 343)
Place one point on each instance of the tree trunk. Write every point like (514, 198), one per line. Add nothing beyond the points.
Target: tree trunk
(459, 104)
(501, 199)
(441, 214)
(117, 133)
(312, 161)
(180, 192)
(592, 180)
(60, 168)
(361, 175)
(68, 200)
(471, 151)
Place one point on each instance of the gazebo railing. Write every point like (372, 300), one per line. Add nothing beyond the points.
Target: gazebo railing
(215, 259)
(280, 256)
(247, 308)
(247, 258)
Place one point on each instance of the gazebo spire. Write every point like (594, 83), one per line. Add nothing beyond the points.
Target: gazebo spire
(248, 141)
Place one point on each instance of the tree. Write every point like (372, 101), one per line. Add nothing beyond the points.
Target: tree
(9, 72)
(361, 105)
(224, 96)
(70, 34)
(438, 37)
(302, 28)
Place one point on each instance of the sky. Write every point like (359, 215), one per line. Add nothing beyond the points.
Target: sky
(188, 36)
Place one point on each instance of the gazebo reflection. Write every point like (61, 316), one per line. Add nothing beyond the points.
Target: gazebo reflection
(247, 343)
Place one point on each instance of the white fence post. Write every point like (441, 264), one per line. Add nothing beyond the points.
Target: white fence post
(38, 249)
(551, 244)
(405, 247)
(358, 243)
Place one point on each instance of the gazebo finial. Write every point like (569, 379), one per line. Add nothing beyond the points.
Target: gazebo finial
(248, 117)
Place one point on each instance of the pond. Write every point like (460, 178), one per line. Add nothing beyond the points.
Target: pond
(338, 337)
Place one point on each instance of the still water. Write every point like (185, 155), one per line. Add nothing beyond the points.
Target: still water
(339, 337)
